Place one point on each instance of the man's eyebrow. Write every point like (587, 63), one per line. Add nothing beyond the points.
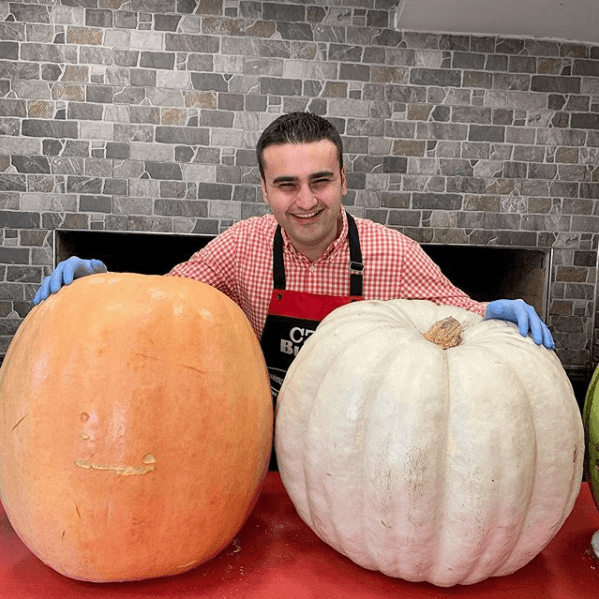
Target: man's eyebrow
(313, 176)
(284, 179)
(322, 174)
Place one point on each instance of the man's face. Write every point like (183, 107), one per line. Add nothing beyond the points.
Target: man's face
(303, 185)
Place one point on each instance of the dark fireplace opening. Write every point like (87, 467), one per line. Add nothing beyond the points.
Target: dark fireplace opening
(143, 253)
(483, 272)
(487, 273)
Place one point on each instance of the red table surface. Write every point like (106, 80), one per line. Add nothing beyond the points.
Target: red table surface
(276, 555)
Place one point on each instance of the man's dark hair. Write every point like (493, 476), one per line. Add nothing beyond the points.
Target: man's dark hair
(296, 128)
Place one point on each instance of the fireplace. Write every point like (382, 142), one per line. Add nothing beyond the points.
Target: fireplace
(487, 273)
(484, 272)
(144, 253)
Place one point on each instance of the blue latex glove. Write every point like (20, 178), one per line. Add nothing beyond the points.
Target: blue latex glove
(65, 273)
(524, 316)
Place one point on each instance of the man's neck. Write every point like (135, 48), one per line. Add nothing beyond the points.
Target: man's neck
(313, 253)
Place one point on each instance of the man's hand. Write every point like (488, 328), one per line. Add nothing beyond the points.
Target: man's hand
(65, 273)
(524, 316)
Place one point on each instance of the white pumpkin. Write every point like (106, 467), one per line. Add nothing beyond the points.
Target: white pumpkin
(429, 464)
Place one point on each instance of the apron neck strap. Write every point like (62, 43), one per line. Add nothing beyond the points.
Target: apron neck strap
(356, 266)
(278, 265)
(355, 258)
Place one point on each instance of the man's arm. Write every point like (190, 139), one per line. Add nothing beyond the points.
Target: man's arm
(422, 276)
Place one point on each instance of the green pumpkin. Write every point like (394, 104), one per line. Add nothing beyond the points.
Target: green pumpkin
(591, 431)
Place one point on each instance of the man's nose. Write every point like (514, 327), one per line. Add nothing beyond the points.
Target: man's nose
(306, 199)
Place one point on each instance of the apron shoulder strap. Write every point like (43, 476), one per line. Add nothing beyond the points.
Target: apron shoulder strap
(278, 265)
(356, 266)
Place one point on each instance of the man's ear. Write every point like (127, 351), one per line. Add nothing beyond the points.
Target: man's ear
(343, 180)
(263, 186)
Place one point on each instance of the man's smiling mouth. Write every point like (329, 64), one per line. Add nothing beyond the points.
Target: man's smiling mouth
(307, 215)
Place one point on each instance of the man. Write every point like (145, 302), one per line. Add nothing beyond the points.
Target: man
(287, 270)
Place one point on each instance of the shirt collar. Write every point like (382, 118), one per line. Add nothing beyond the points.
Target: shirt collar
(332, 247)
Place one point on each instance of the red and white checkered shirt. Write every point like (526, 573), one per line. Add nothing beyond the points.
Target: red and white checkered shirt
(239, 263)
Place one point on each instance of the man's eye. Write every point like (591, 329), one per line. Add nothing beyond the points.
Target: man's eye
(320, 182)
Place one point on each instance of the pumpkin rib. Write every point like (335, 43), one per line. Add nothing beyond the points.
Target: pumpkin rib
(316, 492)
(380, 482)
(543, 470)
(325, 486)
(410, 485)
(560, 511)
(490, 544)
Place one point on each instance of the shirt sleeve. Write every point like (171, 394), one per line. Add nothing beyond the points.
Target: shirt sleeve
(423, 279)
(213, 264)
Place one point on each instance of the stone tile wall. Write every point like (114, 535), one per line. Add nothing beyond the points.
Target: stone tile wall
(142, 116)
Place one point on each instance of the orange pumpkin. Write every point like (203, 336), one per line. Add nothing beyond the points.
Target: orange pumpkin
(135, 426)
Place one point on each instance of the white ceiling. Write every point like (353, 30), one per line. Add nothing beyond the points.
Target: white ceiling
(570, 20)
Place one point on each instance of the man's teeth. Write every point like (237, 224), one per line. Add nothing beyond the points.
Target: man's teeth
(307, 215)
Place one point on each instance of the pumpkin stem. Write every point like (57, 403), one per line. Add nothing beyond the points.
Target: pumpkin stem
(445, 333)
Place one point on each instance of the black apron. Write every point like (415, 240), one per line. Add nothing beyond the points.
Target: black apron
(294, 315)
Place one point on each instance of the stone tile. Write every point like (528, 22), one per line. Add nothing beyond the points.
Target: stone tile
(555, 84)
(435, 201)
(440, 77)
